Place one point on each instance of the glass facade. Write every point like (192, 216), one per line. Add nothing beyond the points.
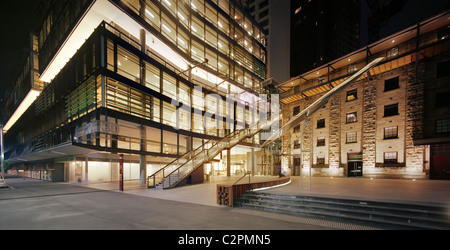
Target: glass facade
(122, 97)
(215, 30)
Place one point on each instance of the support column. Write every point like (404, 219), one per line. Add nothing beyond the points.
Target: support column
(143, 45)
(228, 162)
(253, 161)
(86, 170)
(143, 158)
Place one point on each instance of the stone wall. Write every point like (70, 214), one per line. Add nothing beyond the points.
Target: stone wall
(370, 126)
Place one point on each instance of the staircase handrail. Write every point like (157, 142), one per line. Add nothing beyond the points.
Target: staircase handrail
(257, 126)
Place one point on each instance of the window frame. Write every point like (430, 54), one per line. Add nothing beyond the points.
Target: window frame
(350, 93)
(389, 81)
(353, 135)
(390, 160)
(390, 109)
(390, 135)
(321, 123)
(348, 121)
(321, 141)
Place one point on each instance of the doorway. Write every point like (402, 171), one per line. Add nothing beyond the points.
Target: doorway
(440, 158)
(355, 165)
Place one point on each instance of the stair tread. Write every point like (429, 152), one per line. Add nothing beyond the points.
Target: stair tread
(360, 211)
(353, 203)
(344, 216)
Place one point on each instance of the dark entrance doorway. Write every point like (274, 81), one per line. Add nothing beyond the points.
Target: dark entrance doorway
(440, 162)
(355, 165)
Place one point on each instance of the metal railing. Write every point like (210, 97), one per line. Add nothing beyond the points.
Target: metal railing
(184, 166)
(232, 188)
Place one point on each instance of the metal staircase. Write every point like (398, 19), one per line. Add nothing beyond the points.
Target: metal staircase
(176, 172)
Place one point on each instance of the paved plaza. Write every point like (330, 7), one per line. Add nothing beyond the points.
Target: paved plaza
(32, 204)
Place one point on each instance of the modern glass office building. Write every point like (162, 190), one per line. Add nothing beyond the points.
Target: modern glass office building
(152, 80)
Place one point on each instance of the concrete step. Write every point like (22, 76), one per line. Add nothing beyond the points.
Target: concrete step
(395, 215)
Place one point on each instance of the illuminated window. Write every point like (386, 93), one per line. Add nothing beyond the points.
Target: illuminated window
(169, 114)
(352, 95)
(110, 55)
(197, 28)
(352, 117)
(352, 137)
(170, 5)
(351, 69)
(183, 41)
(391, 158)
(128, 64)
(169, 86)
(211, 37)
(184, 119)
(152, 15)
(152, 77)
(321, 141)
(184, 94)
(320, 160)
(198, 100)
(168, 28)
(392, 53)
(198, 124)
(391, 133)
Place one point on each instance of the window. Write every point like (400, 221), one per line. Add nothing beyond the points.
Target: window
(443, 126)
(296, 110)
(352, 137)
(169, 86)
(264, 4)
(297, 128)
(390, 158)
(321, 160)
(443, 99)
(297, 145)
(169, 114)
(391, 133)
(321, 141)
(442, 69)
(444, 33)
(392, 53)
(352, 117)
(128, 64)
(152, 15)
(391, 110)
(351, 69)
(391, 84)
(263, 14)
(321, 123)
(352, 95)
(152, 77)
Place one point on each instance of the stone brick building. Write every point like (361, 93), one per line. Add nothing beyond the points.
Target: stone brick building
(392, 123)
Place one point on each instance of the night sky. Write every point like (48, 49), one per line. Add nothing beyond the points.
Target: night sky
(19, 17)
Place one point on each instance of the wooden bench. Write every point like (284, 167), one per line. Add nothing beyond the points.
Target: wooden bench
(227, 194)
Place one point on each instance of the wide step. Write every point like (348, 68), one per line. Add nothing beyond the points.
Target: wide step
(389, 215)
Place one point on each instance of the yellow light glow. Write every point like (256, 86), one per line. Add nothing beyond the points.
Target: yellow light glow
(26, 103)
(104, 10)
